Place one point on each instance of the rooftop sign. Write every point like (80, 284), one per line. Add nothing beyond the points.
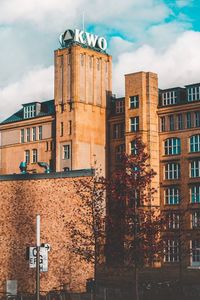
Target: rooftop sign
(83, 38)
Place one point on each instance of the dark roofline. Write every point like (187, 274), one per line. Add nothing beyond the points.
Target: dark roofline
(43, 114)
(29, 103)
(52, 175)
(171, 89)
(194, 84)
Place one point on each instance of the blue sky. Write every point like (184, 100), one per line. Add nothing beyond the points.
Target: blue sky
(161, 36)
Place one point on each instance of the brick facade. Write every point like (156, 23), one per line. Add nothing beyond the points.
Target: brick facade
(54, 199)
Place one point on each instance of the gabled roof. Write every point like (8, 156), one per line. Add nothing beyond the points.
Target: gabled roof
(47, 108)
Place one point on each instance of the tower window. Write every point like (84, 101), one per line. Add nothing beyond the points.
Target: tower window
(134, 124)
(134, 101)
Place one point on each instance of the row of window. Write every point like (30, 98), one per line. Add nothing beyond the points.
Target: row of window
(172, 252)
(172, 195)
(170, 97)
(31, 134)
(173, 220)
(172, 146)
(180, 121)
(172, 170)
(133, 103)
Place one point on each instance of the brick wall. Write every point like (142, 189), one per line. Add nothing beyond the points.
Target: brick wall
(54, 199)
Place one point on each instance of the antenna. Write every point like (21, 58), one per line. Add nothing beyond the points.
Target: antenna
(83, 21)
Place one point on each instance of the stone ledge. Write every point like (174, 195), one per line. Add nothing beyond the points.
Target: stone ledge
(30, 176)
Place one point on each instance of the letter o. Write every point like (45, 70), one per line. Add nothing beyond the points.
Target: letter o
(102, 43)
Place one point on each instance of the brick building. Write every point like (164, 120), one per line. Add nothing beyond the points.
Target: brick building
(84, 124)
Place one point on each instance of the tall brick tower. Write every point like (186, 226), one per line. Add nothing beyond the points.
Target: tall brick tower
(82, 88)
(141, 101)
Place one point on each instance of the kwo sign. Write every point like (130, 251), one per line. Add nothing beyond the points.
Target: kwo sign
(82, 37)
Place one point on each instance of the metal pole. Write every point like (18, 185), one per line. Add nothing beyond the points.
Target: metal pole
(38, 257)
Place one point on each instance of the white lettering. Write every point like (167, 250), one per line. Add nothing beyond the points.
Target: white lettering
(91, 39)
(102, 43)
(78, 37)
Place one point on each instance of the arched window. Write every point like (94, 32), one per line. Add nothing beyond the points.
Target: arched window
(195, 143)
(172, 146)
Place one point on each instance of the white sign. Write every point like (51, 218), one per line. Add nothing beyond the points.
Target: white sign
(82, 37)
(43, 258)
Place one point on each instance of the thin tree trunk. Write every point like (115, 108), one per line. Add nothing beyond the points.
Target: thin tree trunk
(136, 286)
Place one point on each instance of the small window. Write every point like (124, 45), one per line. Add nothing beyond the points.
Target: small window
(171, 251)
(34, 156)
(172, 146)
(118, 131)
(189, 120)
(195, 143)
(195, 219)
(169, 98)
(28, 134)
(162, 124)
(61, 129)
(29, 111)
(195, 194)
(193, 93)
(172, 171)
(195, 169)
(34, 133)
(22, 136)
(172, 220)
(27, 156)
(119, 151)
(179, 121)
(171, 123)
(197, 119)
(40, 132)
(134, 102)
(133, 147)
(134, 124)
(195, 253)
(66, 152)
(119, 107)
(172, 196)
(70, 127)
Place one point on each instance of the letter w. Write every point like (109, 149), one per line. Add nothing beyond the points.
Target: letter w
(91, 39)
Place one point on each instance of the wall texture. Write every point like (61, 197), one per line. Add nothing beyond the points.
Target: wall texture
(54, 199)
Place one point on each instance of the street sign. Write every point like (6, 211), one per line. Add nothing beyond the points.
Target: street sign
(43, 258)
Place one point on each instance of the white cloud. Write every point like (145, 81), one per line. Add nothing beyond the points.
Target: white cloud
(37, 85)
(178, 65)
(56, 14)
(183, 3)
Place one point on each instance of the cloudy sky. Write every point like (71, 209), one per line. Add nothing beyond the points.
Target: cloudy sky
(161, 36)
